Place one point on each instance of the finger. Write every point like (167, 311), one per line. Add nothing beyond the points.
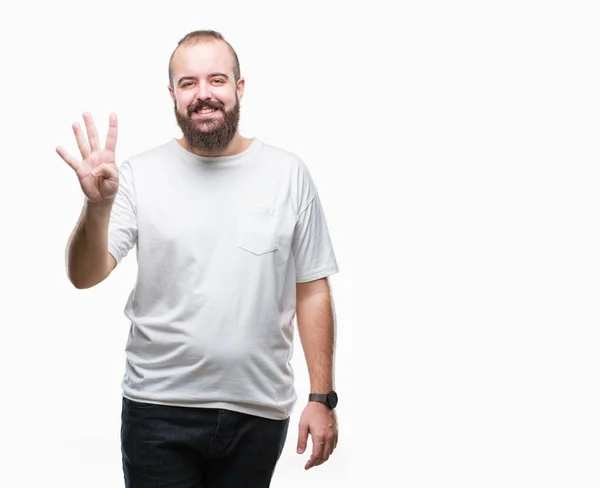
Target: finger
(84, 148)
(312, 462)
(70, 160)
(92, 132)
(317, 452)
(327, 450)
(111, 138)
(302, 438)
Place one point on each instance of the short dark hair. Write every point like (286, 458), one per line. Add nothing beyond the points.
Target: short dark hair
(204, 36)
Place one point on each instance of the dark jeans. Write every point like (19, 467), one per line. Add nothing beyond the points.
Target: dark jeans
(183, 447)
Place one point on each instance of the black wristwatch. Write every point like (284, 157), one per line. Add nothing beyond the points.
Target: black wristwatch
(330, 399)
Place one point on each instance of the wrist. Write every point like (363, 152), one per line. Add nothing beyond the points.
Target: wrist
(100, 204)
(329, 399)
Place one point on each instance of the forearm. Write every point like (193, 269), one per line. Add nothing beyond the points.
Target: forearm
(87, 250)
(316, 328)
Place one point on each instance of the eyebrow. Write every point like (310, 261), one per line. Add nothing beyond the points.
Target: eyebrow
(212, 75)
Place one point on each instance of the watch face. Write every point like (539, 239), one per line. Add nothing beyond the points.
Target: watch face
(332, 398)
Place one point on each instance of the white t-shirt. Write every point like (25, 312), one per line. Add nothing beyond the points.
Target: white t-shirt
(221, 243)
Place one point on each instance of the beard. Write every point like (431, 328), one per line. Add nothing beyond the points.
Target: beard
(211, 135)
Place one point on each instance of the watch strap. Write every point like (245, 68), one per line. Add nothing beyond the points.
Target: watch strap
(318, 397)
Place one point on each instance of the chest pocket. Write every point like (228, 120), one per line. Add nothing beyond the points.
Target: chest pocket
(258, 229)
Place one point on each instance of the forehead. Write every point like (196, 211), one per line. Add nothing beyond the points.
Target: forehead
(201, 59)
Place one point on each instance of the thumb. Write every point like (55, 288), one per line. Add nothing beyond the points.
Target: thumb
(105, 171)
(302, 438)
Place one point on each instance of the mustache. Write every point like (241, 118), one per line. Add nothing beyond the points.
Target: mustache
(204, 104)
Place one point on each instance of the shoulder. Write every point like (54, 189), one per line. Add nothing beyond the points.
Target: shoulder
(283, 157)
(148, 156)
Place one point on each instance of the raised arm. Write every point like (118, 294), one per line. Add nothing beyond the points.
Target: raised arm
(87, 258)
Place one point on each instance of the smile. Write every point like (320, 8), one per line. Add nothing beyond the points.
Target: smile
(205, 112)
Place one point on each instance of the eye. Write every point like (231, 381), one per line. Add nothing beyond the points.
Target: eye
(219, 81)
(186, 84)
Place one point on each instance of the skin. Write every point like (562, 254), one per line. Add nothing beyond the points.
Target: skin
(195, 78)
(202, 71)
(316, 328)
(88, 259)
(196, 69)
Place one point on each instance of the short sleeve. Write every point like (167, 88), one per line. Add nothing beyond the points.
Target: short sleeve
(122, 226)
(312, 248)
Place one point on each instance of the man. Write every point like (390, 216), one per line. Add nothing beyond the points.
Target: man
(232, 243)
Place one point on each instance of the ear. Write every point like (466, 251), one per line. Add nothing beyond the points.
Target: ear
(241, 85)
(172, 94)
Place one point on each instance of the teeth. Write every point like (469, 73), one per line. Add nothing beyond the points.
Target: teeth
(206, 110)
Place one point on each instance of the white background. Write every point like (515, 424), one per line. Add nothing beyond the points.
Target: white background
(455, 149)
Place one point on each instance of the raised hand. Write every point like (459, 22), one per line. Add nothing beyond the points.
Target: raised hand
(97, 172)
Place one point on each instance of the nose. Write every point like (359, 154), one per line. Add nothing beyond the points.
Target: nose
(204, 91)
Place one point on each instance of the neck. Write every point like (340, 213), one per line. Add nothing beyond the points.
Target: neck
(237, 145)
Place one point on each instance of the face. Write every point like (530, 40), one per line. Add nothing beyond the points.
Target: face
(205, 95)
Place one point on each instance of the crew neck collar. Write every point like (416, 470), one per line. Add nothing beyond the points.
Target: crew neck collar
(214, 161)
